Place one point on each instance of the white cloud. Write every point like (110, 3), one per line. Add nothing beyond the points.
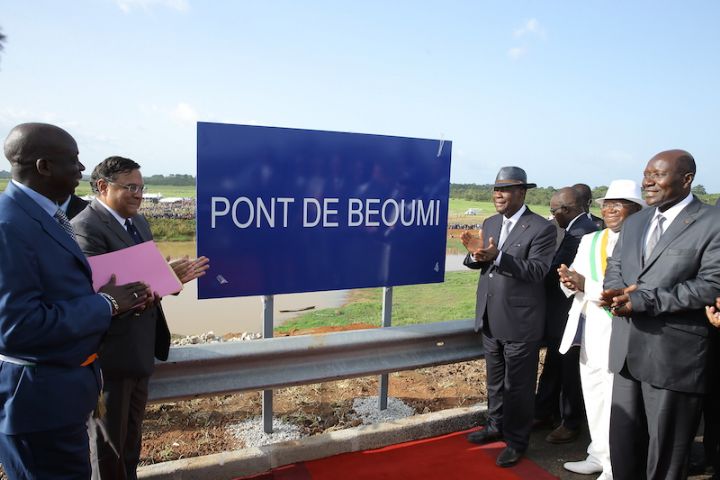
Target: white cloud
(516, 52)
(129, 5)
(184, 113)
(530, 27)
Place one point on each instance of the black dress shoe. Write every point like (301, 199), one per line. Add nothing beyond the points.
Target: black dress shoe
(562, 434)
(484, 436)
(543, 423)
(508, 457)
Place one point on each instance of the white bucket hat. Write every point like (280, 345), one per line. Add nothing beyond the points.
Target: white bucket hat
(623, 189)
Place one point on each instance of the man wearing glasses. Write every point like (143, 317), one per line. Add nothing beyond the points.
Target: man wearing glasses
(589, 325)
(559, 393)
(112, 222)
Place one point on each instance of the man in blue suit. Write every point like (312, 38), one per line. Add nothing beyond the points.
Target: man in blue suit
(51, 320)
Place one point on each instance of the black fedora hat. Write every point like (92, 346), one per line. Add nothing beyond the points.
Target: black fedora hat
(512, 177)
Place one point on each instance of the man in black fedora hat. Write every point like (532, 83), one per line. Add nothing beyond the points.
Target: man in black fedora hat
(513, 253)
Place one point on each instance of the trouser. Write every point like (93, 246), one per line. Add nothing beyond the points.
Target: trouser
(597, 384)
(559, 392)
(116, 439)
(511, 372)
(62, 453)
(651, 429)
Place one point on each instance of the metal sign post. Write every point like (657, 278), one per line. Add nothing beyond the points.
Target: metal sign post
(267, 395)
(386, 322)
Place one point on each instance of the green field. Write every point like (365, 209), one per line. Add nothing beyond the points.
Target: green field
(166, 190)
(452, 300)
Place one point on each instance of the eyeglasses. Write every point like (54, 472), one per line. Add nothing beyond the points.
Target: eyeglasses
(132, 188)
(614, 205)
(561, 207)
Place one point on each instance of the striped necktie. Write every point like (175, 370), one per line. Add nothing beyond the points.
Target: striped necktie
(64, 222)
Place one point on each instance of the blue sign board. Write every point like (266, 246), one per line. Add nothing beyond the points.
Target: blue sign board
(285, 210)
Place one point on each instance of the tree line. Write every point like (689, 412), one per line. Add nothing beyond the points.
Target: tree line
(542, 195)
(465, 191)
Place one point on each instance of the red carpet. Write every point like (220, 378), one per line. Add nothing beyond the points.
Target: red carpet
(439, 458)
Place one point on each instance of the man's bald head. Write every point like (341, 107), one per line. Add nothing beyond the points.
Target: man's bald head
(45, 158)
(565, 205)
(28, 142)
(668, 178)
(585, 194)
(684, 162)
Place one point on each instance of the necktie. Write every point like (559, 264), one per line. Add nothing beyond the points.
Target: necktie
(133, 231)
(654, 237)
(504, 232)
(64, 222)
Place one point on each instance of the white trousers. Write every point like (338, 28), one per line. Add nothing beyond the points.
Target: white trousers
(597, 384)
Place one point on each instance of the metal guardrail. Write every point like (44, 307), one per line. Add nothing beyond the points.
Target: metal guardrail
(211, 369)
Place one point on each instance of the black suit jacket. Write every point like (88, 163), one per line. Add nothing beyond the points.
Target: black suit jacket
(599, 222)
(75, 206)
(665, 340)
(132, 341)
(558, 304)
(511, 294)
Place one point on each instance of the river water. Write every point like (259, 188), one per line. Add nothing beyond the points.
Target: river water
(186, 315)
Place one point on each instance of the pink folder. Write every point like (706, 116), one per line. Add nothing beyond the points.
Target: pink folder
(142, 262)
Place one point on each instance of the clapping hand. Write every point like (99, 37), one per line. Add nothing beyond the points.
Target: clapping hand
(713, 313)
(129, 295)
(618, 300)
(472, 243)
(188, 269)
(571, 279)
(475, 245)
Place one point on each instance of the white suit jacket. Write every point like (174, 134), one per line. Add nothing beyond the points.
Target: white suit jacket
(594, 329)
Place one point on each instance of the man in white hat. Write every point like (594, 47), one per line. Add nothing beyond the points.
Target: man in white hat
(589, 324)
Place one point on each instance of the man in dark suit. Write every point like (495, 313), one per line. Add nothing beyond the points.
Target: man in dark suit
(585, 193)
(665, 268)
(510, 309)
(127, 356)
(51, 319)
(559, 393)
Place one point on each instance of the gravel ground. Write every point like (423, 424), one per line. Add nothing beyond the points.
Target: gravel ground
(365, 409)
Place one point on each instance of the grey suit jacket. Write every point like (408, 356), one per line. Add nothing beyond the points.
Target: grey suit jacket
(512, 294)
(132, 341)
(665, 340)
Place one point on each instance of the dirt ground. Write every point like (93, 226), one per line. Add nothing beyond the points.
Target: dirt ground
(197, 427)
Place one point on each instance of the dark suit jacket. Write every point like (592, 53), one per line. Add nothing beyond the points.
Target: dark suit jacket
(512, 294)
(665, 340)
(599, 222)
(132, 341)
(50, 316)
(75, 206)
(558, 304)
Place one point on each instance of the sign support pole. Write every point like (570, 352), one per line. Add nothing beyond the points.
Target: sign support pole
(267, 395)
(386, 322)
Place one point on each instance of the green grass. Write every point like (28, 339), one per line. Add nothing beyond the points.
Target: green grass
(167, 190)
(412, 304)
(172, 229)
(459, 206)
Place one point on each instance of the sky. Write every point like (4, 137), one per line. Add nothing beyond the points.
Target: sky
(572, 91)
